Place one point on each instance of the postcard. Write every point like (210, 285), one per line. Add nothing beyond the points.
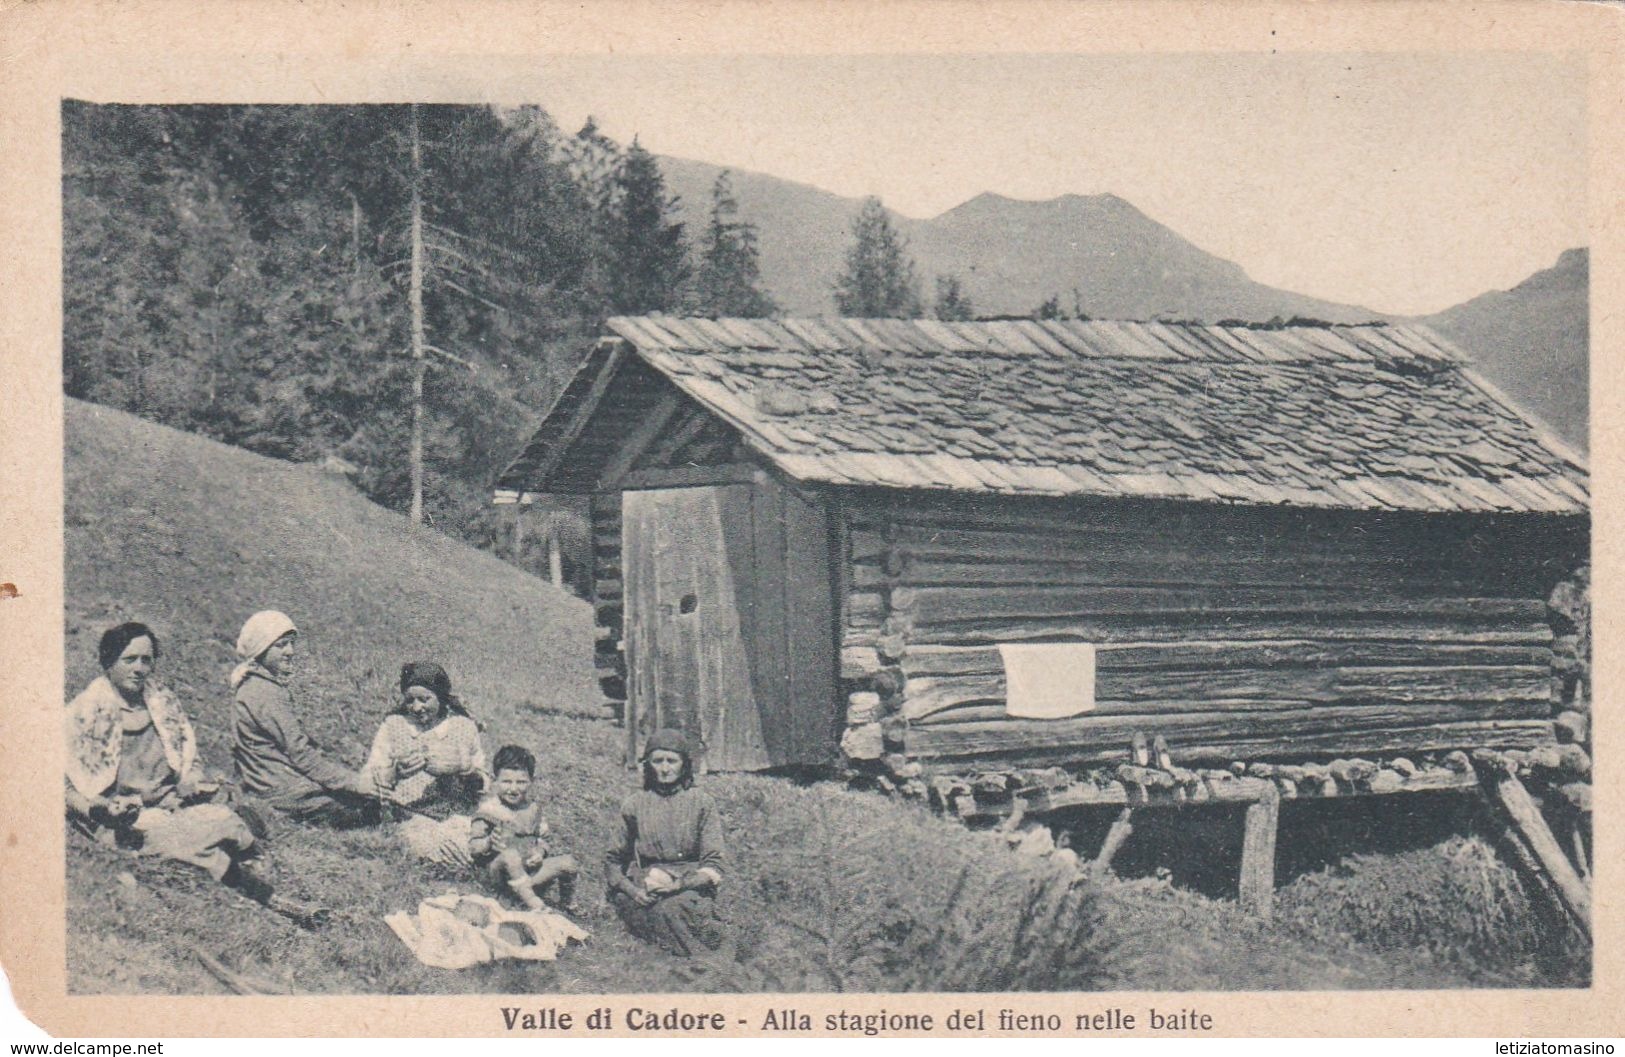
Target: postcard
(785, 520)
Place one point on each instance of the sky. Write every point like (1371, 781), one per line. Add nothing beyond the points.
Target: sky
(1404, 183)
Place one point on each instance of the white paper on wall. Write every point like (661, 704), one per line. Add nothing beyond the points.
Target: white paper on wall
(1048, 680)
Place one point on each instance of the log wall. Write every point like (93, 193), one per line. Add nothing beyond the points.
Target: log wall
(608, 603)
(1234, 632)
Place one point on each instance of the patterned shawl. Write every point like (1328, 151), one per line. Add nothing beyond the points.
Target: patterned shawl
(96, 736)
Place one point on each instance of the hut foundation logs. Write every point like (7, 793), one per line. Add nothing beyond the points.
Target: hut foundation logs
(1148, 779)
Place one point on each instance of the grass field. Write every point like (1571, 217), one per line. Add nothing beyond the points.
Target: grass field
(828, 889)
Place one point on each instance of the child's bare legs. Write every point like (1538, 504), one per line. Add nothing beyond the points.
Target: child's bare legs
(509, 870)
(560, 868)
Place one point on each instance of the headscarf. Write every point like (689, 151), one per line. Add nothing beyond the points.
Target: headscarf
(259, 633)
(433, 678)
(669, 739)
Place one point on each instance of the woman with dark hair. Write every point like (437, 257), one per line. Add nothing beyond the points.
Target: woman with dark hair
(275, 757)
(427, 751)
(664, 874)
(134, 778)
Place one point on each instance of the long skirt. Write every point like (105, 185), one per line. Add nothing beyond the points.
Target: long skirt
(442, 841)
(206, 835)
(685, 924)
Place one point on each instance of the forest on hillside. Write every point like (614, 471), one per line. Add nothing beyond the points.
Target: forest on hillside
(246, 273)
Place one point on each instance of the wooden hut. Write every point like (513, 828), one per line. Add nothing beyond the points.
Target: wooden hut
(955, 548)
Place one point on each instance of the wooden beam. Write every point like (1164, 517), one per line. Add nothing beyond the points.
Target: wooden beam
(1121, 829)
(600, 385)
(659, 417)
(1527, 826)
(1212, 791)
(950, 605)
(928, 660)
(689, 476)
(866, 608)
(238, 983)
(1178, 567)
(860, 662)
(1092, 734)
(1582, 859)
(1258, 854)
(686, 431)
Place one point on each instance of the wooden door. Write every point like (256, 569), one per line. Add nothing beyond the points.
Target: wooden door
(729, 625)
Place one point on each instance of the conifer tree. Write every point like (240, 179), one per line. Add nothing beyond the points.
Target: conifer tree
(1050, 309)
(648, 250)
(878, 280)
(241, 271)
(952, 305)
(729, 277)
(593, 159)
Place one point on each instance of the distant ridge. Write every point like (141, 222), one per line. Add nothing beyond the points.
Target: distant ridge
(1010, 254)
(1533, 341)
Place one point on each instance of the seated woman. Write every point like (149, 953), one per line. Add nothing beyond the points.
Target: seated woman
(663, 874)
(427, 752)
(134, 778)
(276, 760)
(426, 757)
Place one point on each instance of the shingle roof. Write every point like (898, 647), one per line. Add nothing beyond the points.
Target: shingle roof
(1352, 417)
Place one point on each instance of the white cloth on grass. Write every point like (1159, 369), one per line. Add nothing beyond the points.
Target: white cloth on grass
(455, 931)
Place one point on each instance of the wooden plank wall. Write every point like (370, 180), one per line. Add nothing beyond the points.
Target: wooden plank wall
(1235, 632)
(613, 446)
(795, 648)
(691, 606)
(774, 546)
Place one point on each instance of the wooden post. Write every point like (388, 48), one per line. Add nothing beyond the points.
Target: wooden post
(1582, 859)
(1258, 853)
(555, 556)
(1529, 830)
(1122, 827)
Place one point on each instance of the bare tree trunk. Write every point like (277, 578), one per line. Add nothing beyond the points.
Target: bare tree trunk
(139, 375)
(418, 352)
(355, 231)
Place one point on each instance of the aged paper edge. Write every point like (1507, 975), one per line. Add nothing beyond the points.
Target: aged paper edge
(274, 51)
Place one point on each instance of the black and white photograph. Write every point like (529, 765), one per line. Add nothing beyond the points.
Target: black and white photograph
(862, 523)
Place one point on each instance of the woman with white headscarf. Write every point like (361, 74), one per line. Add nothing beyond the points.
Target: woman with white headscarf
(276, 759)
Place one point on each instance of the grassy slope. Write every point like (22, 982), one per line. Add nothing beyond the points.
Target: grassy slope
(192, 536)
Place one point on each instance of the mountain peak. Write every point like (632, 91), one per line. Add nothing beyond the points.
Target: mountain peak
(1012, 254)
(987, 201)
(991, 202)
(1533, 341)
(1103, 199)
(1578, 257)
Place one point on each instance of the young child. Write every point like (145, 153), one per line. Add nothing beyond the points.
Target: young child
(507, 831)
